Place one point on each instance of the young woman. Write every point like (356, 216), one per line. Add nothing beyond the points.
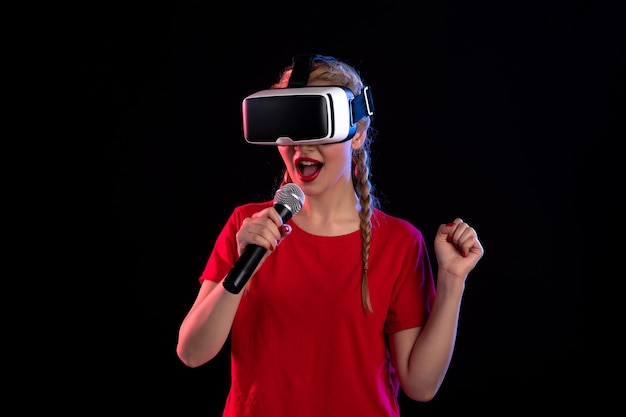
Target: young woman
(342, 311)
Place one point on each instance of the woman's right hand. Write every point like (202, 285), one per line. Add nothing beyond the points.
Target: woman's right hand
(264, 228)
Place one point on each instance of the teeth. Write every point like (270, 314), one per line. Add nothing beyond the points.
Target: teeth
(308, 163)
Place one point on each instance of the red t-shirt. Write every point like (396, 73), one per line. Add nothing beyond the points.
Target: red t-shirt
(301, 344)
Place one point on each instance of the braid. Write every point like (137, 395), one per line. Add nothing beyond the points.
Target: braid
(285, 179)
(339, 73)
(363, 188)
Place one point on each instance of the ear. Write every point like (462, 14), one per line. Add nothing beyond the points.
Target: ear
(358, 139)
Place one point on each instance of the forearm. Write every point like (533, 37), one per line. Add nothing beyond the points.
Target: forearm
(207, 325)
(432, 352)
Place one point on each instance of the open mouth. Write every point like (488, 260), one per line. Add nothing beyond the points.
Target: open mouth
(308, 170)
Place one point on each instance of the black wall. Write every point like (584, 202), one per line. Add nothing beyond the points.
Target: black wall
(507, 114)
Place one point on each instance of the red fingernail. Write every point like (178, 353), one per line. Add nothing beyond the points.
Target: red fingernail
(450, 224)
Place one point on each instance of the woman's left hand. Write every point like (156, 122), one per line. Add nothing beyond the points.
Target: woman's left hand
(457, 248)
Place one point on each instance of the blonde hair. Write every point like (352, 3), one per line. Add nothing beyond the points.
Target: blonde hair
(340, 73)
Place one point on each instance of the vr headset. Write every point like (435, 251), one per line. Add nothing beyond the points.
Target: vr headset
(300, 114)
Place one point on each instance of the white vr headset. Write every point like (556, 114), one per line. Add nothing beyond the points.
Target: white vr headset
(303, 114)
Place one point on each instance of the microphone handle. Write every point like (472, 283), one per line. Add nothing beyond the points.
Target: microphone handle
(249, 259)
(243, 269)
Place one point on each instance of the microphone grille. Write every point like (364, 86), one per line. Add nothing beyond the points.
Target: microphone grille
(290, 196)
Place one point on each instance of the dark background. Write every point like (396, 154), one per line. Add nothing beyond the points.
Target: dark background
(507, 114)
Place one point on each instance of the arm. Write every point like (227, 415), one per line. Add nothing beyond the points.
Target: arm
(422, 355)
(206, 326)
(204, 330)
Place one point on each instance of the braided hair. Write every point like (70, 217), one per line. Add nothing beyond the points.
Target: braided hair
(336, 72)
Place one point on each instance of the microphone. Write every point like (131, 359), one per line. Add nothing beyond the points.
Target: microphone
(288, 201)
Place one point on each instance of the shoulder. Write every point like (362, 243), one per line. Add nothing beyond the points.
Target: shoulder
(246, 210)
(253, 207)
(395, 226)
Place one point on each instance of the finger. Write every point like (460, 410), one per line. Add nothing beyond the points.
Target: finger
(446, 229)
(259, 231)
(459, 233)
(466, 240)
(453, 230)
(469, 243)
(285, 229)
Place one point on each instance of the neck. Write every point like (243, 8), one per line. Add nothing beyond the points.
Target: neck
(329, 217)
